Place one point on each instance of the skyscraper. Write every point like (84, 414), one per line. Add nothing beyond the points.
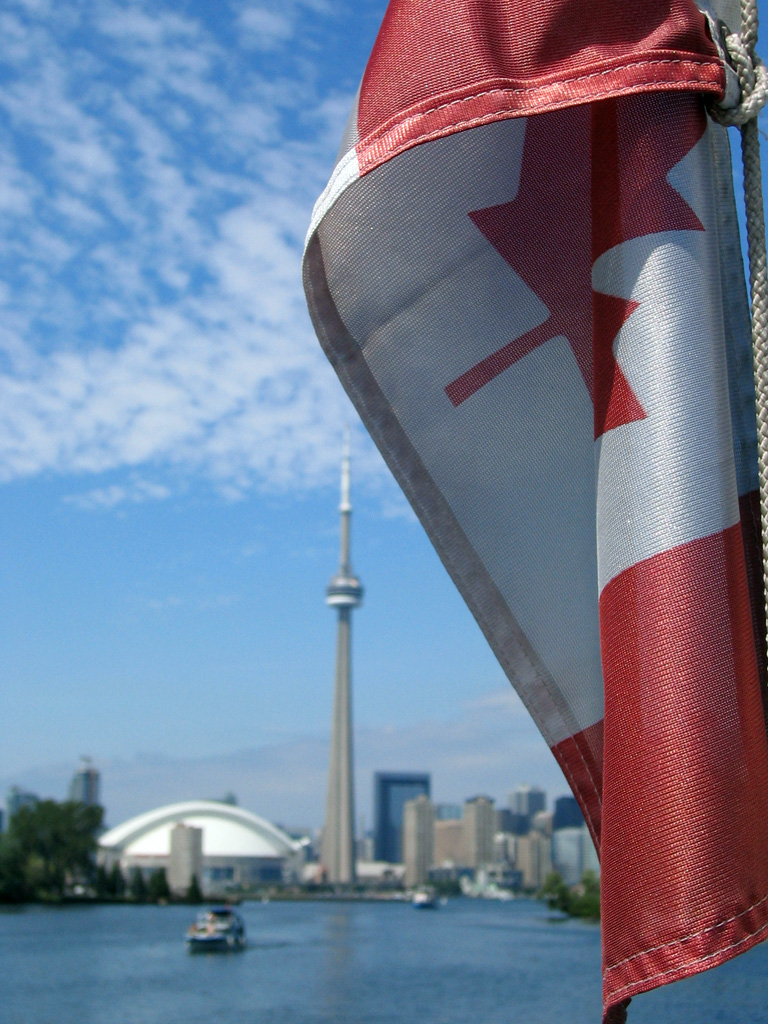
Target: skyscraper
(567, 813)
(449, 841)
(185, 860)
(84, 787)
(479, 826)
(534, 859)
(391, 790)
(344, 593)
(418, 839)
(527, 800)
(17, 798)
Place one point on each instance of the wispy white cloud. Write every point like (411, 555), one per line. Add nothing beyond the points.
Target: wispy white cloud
(135, 492)
(155, 185)
(264, 29)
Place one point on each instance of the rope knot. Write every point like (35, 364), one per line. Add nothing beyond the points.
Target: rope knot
(753, 80)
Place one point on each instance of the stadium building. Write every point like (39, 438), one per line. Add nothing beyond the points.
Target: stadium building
(239, 849)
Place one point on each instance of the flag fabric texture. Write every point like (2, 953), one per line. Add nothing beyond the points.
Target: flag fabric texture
(526, 272)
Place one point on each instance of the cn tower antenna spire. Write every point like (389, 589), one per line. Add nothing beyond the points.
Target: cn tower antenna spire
(344, 593)
(345, 509)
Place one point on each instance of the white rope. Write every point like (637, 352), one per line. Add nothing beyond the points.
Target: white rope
(753, 80)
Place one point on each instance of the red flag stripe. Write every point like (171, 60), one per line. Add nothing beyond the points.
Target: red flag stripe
(685, 767)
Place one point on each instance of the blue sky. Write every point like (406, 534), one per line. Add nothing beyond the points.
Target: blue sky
(170, 433)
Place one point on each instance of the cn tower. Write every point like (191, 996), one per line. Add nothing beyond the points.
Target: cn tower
(344, 593)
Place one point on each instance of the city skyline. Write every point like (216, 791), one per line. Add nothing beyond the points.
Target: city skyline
(446, 800)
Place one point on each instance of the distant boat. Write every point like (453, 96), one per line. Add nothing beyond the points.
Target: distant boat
(218, 930)
(424, 899)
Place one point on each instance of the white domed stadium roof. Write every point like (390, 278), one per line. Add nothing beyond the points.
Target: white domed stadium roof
(228, 831)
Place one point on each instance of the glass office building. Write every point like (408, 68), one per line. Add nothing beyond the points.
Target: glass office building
(84, 787)
(391, 791)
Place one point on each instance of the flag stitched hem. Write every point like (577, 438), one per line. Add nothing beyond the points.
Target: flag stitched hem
(694, 935)
(645, 982)
(704, 76)
(684, 968)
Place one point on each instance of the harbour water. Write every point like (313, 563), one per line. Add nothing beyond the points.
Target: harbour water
(469, 962)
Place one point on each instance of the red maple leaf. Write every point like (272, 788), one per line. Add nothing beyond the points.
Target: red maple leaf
(591, 178)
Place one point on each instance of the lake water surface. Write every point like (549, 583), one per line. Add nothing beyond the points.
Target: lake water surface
(470, 962)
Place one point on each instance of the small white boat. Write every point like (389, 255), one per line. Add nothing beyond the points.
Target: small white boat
(424, 899)
(218, 930)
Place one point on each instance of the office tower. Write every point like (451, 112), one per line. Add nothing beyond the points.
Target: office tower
(363, 844)
(344, 593)
(567, 813)
(479, 824)
(364, 848)
(513, 823)
(542, 823)
(449, 842)
(418, 839)
(533, 857)
(524, 803)
(391, 791)
(17, 798)
(505, 820)
(504, 848)
(185, 860)
(527, 800)
(84, 787)
(568, 852)
(573, 853)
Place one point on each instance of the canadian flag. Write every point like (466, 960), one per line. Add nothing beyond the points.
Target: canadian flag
(526, 272)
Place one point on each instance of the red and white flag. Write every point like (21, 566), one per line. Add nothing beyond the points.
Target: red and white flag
(526, 272)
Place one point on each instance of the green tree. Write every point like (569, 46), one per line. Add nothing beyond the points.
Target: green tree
(137, 887)
(585, 900)
(14, 887)
(194, 893)
(157, 888)
(116, 882)
(556, 892)
(447, 887)
(101, 883)
(55, 844)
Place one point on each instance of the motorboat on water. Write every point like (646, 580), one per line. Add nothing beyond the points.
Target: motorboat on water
(217, 930)
(424, 899)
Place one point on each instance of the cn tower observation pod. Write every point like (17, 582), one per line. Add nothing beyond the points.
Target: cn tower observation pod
(344, 592)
